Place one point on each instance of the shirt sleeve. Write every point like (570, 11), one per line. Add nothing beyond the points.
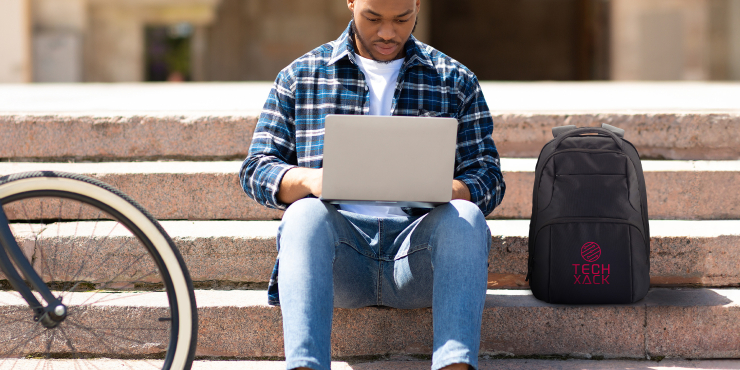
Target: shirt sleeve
(272, 151)
(477, 162)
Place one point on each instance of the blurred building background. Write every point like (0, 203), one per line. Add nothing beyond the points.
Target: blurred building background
(242, 40)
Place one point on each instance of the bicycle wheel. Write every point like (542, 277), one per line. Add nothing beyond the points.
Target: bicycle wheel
(128, 294)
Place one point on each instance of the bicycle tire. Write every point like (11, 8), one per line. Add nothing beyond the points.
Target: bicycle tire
(116, 310)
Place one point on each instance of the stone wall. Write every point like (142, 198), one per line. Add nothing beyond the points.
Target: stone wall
(734, 40)
(724, 39)
(660, 39)
(15, 34)
(236, 40)
(524, 39)
(58, 40)
(115, 41)
(255, 39)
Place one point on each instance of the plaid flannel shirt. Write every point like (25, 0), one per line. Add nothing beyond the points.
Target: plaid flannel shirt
(290, 131)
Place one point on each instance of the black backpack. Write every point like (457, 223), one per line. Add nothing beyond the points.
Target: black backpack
(589, 240)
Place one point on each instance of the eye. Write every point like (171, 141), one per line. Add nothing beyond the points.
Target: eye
(372, 19)
(402, 20)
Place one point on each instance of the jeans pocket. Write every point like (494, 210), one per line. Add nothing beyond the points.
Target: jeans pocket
(406, 250)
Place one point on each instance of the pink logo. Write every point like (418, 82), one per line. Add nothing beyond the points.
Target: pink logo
(590, 252)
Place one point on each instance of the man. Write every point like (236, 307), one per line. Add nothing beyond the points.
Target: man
(353, 256)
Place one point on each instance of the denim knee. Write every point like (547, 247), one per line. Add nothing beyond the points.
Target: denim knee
(458, 213)
(310, 221)
(465, 219)
(306, 209)
(467, 211)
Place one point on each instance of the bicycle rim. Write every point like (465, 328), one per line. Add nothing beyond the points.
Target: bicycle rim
(129, 297)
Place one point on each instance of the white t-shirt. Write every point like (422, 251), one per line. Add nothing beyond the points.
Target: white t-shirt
(381, 79)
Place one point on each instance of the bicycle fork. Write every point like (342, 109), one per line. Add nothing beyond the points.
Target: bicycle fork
(54, 312)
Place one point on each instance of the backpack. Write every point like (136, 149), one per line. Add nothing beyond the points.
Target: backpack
(589, 240)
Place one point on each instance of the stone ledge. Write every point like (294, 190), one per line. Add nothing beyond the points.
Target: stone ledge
(211, 190)
(672, 120)
(655, 135)
(100, 138)
(688, 323)
(58, 137)
(684, 253)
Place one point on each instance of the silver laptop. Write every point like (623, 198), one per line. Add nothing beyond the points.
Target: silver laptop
(389, 160)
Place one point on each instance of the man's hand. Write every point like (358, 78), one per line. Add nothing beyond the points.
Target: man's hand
(299, 182)
(460, 190)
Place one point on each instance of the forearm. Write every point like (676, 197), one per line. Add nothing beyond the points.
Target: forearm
(299, 182)
(460, 190)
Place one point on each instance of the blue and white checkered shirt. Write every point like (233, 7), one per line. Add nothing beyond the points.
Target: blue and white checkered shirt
(327, 80)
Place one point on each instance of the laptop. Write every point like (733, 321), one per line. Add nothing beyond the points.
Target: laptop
(388, 160)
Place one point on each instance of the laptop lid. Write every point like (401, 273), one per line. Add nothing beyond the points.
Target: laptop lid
(389, 160)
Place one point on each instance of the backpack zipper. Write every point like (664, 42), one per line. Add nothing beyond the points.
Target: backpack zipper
(567, 220)
(535, 201)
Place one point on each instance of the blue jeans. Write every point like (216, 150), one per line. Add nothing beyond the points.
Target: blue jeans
(332, 258)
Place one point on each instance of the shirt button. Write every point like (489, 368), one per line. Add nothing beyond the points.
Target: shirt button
(366, 88)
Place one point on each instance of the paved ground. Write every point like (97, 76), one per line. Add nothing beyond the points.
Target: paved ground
(248, 97)
(396, 364)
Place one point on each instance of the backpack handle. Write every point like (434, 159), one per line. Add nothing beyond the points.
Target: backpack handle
(587, 130)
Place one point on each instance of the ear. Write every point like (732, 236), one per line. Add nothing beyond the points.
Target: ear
(351, 5)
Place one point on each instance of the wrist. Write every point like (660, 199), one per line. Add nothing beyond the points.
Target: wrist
(460, 190)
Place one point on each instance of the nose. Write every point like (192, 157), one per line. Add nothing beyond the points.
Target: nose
(386, 31)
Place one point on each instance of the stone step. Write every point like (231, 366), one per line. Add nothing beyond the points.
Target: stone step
(400, 363)
(227, 254)
(215, 121)
(203, 137)
(211, 190)
(673, 323)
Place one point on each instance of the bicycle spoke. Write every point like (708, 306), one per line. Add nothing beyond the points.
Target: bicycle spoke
(121, 273)
(105, 299)
(109, 256)
(39, 363)
(70, 291)
(119, 328)
(105, 343)
(115, 336)
(91, 365)
(86, 253)
(35, 326)
(4, 324)
(99, 270)
(25, 342)
(88, 242)
(50, 341)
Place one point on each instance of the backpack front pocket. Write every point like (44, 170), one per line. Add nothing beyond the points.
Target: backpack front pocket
(590, 261)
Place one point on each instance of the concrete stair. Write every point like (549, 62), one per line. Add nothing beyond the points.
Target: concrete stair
(215, 120)
(200, 136)
(697, 190)
(242, 253)
(667, 323)
(177, 149)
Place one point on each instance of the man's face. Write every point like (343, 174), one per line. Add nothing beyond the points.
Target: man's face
(382, 27)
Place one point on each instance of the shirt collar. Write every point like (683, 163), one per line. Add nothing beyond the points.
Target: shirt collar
(416, 52)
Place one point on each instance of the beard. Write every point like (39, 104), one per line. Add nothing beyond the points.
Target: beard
(359, 39)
